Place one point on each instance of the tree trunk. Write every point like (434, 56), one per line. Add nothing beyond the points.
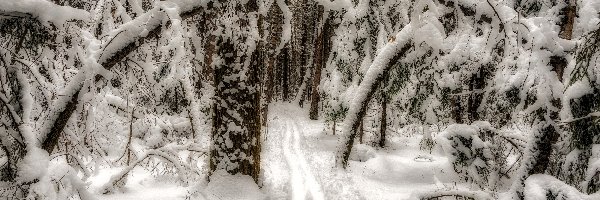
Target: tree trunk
(268, 91)
(273, 39)
(236, 141)
(317, 66)
(361, 131)
(383, 122)
(285, 73)
(334, 126)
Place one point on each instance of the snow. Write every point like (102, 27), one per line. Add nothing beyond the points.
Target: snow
(575, 91)
(394, 173)
(362, 152)
(298, 158)
(335, 4)
(587, 19)
(462, 130)
(129, 32)
(141, 184)
(34, 165)
(226, 186)
(298, 163)
(538, 185)
(380, 63)
(286, 34)
(44, 10)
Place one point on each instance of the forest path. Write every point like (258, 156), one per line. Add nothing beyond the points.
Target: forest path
(299, 158)
(303, 181)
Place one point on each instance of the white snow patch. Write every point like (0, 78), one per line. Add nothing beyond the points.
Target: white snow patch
(226, 186)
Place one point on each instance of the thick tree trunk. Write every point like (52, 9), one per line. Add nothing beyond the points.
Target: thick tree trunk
(236, 140)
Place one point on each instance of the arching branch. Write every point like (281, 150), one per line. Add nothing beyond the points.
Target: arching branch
(389, 55)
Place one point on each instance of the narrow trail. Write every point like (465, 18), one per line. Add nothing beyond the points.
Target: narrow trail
(303, 183)
(299, 158)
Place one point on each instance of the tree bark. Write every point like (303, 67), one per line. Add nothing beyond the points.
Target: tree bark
(317, 66)
(273, 39)
(566, 31)
(334, 126)
(361, 131)
(236, 134)
(383, 122)
(285, 73)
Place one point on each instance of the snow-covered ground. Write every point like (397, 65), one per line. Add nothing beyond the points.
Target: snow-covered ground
(298, 162)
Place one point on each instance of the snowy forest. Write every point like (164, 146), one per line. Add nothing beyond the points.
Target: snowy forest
(300, 99)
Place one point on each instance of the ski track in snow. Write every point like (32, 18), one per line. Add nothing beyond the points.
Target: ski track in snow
(302, 179)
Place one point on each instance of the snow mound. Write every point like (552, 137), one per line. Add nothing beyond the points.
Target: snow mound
(362, 152)
(226, 186)
(34, 165)
(462, 130)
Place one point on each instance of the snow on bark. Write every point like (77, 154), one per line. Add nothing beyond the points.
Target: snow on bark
(286, 34)
(129, 33)
(575, 91)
